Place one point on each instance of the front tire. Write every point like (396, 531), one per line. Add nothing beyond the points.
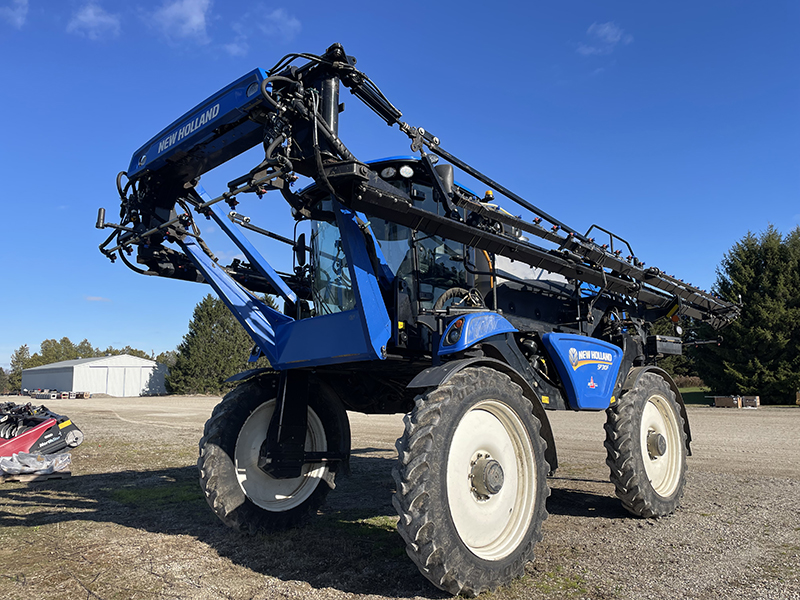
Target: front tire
(646, 448)
(243, 496)
(471, 482)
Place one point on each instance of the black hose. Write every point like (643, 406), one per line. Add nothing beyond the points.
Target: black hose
(269, 160)
(267, 95)
(453, 292)
(335, 141)
(317, 153)
(119, 183)
(130, 265)
(289, 58)
(108, 239)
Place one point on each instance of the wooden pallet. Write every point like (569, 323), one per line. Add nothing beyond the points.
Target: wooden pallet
(33, 477)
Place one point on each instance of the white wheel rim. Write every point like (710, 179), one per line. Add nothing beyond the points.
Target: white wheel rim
(276, 495)
(664, 472)
(491, 527)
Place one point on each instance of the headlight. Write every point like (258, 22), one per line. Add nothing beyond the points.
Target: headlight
(454, 332)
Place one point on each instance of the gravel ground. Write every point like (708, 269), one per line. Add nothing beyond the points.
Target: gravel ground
(131, 522)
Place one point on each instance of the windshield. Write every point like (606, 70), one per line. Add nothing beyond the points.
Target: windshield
(332, 288)
(439, 261)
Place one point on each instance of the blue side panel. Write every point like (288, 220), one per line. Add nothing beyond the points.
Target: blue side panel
(385, 274)
(355, 335)
(253, 256)
(588, 368)
(376, 325)
(475, 327)
(214, 131)
(323, 340)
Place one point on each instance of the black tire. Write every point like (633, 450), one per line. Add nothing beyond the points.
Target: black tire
(459, 429)
(245, 498)
(646, 446)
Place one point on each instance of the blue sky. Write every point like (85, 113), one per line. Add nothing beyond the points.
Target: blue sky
(675, 124)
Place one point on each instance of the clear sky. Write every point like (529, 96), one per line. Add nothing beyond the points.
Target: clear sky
(674, 124)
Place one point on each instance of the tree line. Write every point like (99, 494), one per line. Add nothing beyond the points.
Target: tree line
(760, 351)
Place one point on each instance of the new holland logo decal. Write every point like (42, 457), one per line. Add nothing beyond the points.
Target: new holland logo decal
(581, 358)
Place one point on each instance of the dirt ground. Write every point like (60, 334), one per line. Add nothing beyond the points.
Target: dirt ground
(132, 523)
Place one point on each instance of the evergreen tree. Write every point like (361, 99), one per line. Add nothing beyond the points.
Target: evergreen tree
(86, 350)
(20, 359)
(760, 352)
(215, 348)
(4, 386)
(52, 351)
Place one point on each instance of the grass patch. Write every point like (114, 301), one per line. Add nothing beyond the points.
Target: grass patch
(564, 585)
(696, 395)
(162, 495)
(385, 523)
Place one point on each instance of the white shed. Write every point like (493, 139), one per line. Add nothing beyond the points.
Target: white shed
(121, 375)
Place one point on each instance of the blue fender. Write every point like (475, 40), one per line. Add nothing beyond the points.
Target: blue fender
(471, 328)
(437, 375)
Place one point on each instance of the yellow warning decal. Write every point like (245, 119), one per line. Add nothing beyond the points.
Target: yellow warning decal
(613, 400)
(545, 399)
(66, 423)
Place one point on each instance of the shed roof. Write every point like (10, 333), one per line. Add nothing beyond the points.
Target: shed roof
(114, 360)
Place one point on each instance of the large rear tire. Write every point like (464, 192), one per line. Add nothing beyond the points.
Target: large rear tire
(646, 447)
(243, 496)
(471, 482)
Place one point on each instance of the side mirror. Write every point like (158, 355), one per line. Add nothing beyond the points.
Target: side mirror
(300, 250)
(445, 173)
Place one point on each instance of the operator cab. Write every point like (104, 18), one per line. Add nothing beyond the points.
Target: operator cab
(424, 267)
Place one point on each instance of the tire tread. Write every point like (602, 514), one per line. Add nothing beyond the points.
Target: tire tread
(418, 526)
(215, 464)
(629, 479)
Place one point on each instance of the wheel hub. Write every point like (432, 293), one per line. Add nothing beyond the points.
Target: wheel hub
(265, 491)
(656, 444)
(487, 476)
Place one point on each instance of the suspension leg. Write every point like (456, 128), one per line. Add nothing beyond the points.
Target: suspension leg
(282, 454)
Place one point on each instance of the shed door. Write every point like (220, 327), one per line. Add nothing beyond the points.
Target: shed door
(98, 381)
(133, 381)
(116, 381)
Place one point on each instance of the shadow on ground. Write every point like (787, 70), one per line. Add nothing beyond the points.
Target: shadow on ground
(351, 545)
(577, 503)
(566, 500)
